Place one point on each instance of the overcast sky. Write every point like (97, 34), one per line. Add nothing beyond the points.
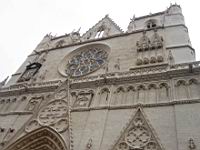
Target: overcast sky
(25, 22)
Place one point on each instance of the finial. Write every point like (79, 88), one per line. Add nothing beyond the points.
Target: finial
(78, 30)
(107, 15)
(3, 82)
(133, 18)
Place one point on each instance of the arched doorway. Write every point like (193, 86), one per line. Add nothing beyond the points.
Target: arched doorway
(43, 138)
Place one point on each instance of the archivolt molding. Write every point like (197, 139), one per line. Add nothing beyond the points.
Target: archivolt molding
(39, 139)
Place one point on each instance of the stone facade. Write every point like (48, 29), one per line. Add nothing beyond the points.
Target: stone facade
(107, 89)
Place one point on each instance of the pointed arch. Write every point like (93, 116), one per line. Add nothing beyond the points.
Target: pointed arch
(131, 95)
(152, 93)
(40, 139)
(103, 96)
(118, 98)
(181, 89)
(141, 91)
(163, 92)
(193, 87)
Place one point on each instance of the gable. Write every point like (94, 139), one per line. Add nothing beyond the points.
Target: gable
(104, 28)
(138, 135)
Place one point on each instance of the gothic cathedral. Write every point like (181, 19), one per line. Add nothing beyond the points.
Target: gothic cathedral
(107, 89)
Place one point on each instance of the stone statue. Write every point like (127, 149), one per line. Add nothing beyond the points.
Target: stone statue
(131, 26)
(191, 144)
(89, 145)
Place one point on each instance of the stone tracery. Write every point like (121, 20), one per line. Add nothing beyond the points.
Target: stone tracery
(138, 135)
(86, 62)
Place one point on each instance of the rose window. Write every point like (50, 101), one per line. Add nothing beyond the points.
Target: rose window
(86, 62)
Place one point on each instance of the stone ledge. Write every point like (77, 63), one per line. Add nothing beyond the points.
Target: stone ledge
(175, 102)
(16, 113)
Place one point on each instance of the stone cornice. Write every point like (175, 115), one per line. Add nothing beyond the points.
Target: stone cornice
(180, 46)
(27, 88)
(17, 113)
(172, 103)
(160, 72)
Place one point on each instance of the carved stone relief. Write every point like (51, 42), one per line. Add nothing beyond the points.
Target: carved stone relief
(61, 94)
(32, 125)
(150, 49)
(55, 114)
(138, 135)
(83, 98)
(34, 103)
(144, 43)
(156, 41)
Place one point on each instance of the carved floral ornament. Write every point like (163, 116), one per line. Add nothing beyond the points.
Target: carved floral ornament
(84, 60)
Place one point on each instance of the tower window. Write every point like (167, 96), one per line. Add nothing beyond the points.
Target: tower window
(151, 24)
(99, 34)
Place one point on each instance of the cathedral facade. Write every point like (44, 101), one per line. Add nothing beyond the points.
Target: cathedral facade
(107, 89)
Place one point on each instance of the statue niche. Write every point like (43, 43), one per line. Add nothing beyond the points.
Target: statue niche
(118, 97)
(156, 41)
(103, 97)
(152, 93)
(163, 91)
(181, 90)
(34, 103)
(131, 95)
(83, 99)
(194, 88)
(144, 43)
(141, 93)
